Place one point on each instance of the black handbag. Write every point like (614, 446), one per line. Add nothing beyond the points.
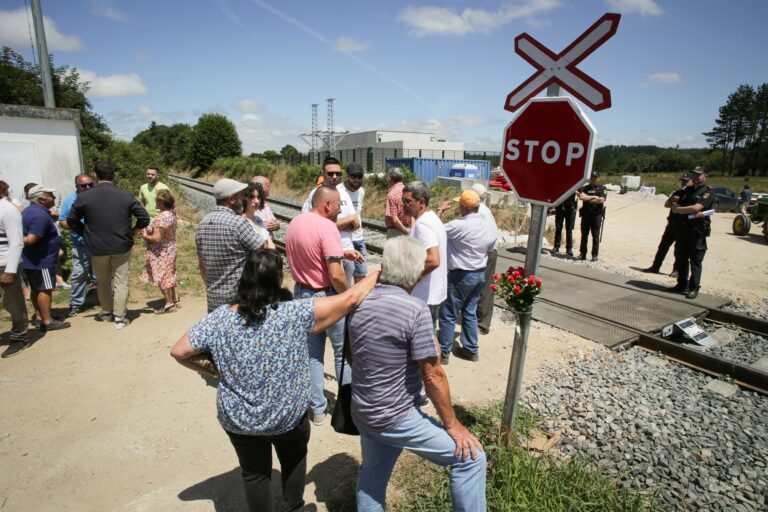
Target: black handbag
(341, 420)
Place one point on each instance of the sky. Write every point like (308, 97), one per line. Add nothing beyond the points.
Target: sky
(440, 66)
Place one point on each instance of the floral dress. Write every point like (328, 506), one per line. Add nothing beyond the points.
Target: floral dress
(161, 256)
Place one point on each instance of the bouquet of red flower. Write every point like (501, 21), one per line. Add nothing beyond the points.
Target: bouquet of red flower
(517, 289)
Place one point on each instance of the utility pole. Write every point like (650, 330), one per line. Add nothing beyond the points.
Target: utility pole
(42, 53)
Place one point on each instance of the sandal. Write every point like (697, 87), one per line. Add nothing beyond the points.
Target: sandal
(177, 303)
(165, 309)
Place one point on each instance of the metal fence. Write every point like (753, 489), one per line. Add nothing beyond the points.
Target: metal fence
(374, 159)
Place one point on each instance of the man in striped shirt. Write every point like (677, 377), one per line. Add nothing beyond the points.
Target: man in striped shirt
(393, 354)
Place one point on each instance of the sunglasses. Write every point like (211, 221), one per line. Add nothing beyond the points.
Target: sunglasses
(333, 173)
(86, 185)
(356, 176)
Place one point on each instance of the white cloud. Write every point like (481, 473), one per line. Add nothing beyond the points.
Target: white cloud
(425, 21)
(666, 78)
(642, 7)
(145, 111)
(109, 12)
(15, 27)
(113, 85)
(271, 131)
(247, 106)
(346, 44)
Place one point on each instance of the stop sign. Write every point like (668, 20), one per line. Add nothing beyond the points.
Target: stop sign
(548, 150)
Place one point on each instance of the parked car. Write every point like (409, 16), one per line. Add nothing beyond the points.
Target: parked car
(725, 199)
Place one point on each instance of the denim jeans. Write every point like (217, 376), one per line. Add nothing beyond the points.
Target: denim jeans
(316, 346)
(426, 438)
(82, 272)
(463, 294)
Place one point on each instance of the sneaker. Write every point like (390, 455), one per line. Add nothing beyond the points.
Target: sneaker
(678, 289)
(121, 323)
(569, 254)
(582, 257)
(673, 274)
(444, 358)
(65, 286)
(104, 316)
(594, 259)
(16, 347)
(482, 330)
(555, 250)
(650, 270)
(73, 311)
(465, 354)
(54, 325)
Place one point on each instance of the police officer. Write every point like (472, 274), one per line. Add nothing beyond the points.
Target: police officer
(565, 213)
(692, 233)
(668, 238)
(592, 212)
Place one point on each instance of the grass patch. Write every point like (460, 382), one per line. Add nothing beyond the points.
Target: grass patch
(518, 480)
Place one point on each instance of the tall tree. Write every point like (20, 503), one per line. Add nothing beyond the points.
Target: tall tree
(213, 136)
(172, 142)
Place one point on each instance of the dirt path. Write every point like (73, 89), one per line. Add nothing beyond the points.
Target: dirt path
(98, 419)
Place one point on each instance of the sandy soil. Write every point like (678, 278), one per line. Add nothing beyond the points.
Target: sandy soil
(99, 419)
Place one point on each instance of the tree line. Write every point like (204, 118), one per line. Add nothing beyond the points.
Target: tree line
(738, 144)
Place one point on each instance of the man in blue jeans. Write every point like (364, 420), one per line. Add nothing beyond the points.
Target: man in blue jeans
(393, 354)
(470, 239)
(82, 270)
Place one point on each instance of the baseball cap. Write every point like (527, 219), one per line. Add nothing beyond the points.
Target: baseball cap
(700, 170)
(39, 191)
(469, 198)
(227, 187)
(355, 168)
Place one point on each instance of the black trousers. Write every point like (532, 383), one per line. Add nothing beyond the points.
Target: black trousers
(590, 224)
(690, 248)
(485, 304)
(667, 240)
(569, 219)
(255, 456)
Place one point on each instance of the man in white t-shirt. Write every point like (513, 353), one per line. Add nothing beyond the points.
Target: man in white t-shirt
(353, 187)
(432, 288)
(348, 220)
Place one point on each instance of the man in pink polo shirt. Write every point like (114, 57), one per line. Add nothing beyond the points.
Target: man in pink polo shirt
(315, 253)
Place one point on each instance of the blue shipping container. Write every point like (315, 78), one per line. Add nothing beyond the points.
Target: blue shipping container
(429, 169)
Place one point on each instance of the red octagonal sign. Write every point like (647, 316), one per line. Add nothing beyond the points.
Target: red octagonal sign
(548, 150)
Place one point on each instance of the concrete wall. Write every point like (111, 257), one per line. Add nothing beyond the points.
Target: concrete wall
(35, 148)
(397, 140)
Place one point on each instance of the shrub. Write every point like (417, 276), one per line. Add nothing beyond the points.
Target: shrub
(243, 168)
(130, 160)
(298, 177)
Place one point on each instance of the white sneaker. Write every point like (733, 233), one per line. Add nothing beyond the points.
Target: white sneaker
(121, 323)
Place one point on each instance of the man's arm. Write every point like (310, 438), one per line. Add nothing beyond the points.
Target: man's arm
(348, 223)
(432, 261)
(201, 263)
(15, 235)
(336, 273)
(436, 386)
(73, 219)
(142, 217)
(687, 210)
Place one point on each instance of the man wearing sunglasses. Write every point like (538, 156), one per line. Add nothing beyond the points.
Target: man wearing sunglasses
(347, 221)
(82, 270)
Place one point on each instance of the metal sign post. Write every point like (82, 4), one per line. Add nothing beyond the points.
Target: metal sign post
(553, 71)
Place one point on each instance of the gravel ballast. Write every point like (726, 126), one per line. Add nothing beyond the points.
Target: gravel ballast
(651, 423)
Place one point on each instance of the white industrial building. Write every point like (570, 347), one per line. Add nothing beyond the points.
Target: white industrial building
(372, 148)
(40, 145)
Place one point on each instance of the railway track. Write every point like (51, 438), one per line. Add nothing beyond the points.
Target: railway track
(743, 374)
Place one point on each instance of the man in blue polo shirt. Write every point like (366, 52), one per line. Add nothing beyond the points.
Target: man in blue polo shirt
(41, 249)
(82, 270)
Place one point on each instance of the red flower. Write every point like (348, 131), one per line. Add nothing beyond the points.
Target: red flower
(521, 270)
(494, 288)
(510, 270)
(516, 290)
(496, 277)
(532, 280)
(538, 283)
(511, 279)
(515, 274)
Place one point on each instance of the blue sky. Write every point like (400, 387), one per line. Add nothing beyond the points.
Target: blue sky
(437, 66)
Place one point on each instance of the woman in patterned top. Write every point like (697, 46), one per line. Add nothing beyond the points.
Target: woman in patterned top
(160, 257)
(259, 345)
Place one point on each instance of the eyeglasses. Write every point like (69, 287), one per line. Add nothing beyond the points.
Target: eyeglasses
(356, 176)
(333, 173)
(86, 185)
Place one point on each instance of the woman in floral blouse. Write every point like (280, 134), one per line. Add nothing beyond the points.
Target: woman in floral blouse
(259, 346)
(160, 257)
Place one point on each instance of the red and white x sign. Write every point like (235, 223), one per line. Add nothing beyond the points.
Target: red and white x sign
(561, 68)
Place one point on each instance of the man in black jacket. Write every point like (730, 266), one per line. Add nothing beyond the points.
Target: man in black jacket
(107, 211)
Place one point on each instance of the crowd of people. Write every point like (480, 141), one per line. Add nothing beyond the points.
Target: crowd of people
(267, 344)
(102, 222)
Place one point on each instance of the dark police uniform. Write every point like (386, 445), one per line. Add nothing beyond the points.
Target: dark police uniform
(591, 218)
(565, 212)
(691, 237)
(668, 238)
